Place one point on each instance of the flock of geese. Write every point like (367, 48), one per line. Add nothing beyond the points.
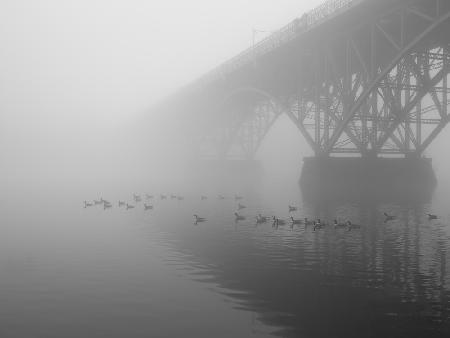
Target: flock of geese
(137, 198)
(260, 219)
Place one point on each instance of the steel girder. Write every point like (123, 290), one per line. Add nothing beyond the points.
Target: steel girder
(251, 113)
(381, 89)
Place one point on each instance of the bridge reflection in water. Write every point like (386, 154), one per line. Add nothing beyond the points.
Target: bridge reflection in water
(383, 280)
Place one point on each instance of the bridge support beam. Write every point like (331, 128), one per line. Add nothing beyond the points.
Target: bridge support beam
(357, 179)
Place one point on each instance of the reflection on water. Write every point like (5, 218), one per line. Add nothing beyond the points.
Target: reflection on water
(67, 271)
(385, 279)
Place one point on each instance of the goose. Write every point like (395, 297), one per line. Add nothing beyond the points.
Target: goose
(318, 224)
(278, 221)
(87, 204)
(203, 198)
(199, 219)
(339, 225)
(149, 197)
(261, 219)
(237, 197)
(307, 222)
(241, 206)
(163, 197)
(172, 197)
(148, 207)
(239, 217)
(296, 221)
(291, 208)
(121, 203)
(129, 206)
(180, 198)
(97, 202)
(107, 206)
(137, 198)
(432, 217)
(351, 226)
(388, 217)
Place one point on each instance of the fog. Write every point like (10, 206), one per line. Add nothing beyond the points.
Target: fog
(81, 89)
(79, 80)
(79, 77)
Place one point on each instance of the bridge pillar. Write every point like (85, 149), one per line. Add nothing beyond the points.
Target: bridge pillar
(358, 178)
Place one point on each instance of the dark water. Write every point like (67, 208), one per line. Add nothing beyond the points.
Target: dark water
(66, 271)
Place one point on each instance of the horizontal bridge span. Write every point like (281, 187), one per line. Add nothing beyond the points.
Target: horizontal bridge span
(363, 76)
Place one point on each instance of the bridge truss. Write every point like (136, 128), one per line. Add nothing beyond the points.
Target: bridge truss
(378, 87)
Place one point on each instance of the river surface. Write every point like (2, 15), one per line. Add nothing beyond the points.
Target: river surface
(69, 271)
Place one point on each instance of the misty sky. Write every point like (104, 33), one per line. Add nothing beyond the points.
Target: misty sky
(98, 61)
(72, 70)
(75, 71)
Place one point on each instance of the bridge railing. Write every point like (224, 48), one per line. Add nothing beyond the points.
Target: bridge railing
(287, 33)
(327, 9)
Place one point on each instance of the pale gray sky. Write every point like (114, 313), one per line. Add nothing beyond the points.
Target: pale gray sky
(104, 60)
(72, 70)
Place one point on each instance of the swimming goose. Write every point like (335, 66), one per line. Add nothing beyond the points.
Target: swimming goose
(107, 206)
(296, 221)
(172, 197)
(318, 225)
(199, 219)
(87, 204)
(149, 197)
(292, 209)
(129, 206)
(307, 222)
(137, 198)
(351, 226)
(241, 206)
(280, 222)
(261, 219)
(239, 217)
(148, 207)
(97, 202)
(163, 197)
(339, 225)
(431, 217)
(388, 217)
(277, 221)
(121, 203)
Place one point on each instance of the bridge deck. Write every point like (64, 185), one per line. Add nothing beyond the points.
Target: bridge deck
(296, 28)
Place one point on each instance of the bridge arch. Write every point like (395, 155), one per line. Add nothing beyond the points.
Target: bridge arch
(258, 111)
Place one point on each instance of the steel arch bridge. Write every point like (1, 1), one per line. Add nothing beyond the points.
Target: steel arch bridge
(364, 77)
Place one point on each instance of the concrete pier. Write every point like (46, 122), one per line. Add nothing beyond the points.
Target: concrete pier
(355, 179)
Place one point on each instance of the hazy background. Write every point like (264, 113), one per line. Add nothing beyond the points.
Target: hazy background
(78, 79)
